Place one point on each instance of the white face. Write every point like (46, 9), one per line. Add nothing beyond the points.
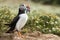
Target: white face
(22, 7)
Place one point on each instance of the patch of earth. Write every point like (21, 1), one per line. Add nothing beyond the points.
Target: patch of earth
(31, 36)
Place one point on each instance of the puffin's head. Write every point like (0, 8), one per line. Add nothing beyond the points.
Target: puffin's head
(24, 8)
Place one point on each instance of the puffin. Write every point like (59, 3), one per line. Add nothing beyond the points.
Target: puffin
(20, 20)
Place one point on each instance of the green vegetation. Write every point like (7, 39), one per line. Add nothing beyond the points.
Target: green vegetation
(43, 22)
(5, 17)
(38, 21)
(47, 1)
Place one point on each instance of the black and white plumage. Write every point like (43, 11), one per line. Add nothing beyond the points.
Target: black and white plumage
(20, 20)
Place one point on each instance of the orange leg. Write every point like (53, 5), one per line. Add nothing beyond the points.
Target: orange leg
(19, 34)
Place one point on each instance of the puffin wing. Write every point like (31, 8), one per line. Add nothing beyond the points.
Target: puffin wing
(13, 22)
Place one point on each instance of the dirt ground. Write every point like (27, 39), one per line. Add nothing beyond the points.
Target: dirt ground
(31, 36)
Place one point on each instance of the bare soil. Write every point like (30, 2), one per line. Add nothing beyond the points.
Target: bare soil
(30, 36)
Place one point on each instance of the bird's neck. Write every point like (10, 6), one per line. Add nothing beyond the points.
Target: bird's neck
(21, 12)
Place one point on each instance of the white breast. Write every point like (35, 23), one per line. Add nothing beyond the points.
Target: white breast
(22, 21)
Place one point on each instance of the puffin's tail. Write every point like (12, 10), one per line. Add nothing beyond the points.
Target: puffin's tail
(11, 28)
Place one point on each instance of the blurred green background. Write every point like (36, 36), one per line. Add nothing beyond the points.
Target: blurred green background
(47, 1)
(44, 18)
